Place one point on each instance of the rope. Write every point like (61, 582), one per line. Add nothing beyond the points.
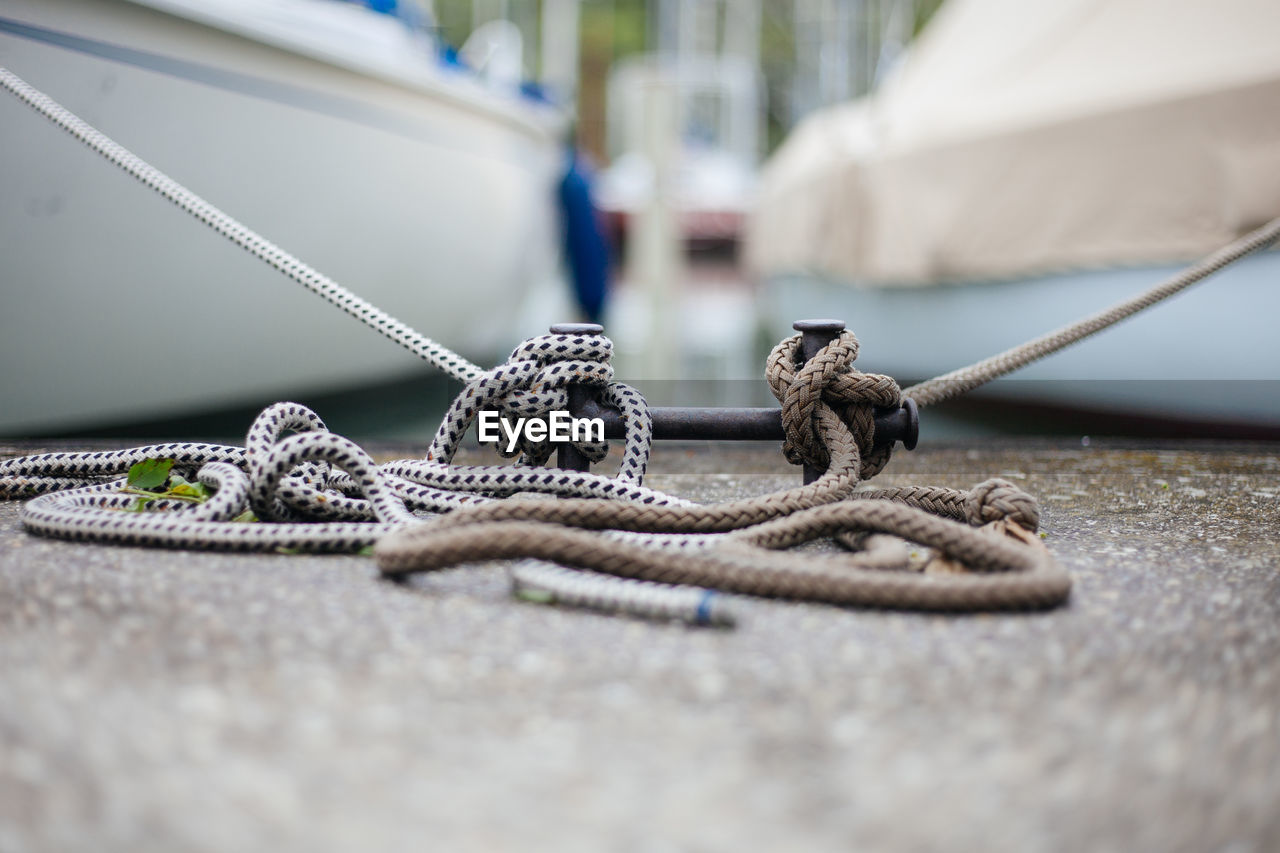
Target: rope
(965, 379)
(549, 584)
(437, 355)
(316, 491)
(290, 482)
(828, 378)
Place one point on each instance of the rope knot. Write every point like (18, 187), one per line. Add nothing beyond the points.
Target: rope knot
(996, 499)
(830, 380)
(533, 382)
(557, 361)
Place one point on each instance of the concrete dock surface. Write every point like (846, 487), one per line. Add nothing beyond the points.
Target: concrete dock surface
(164, 700)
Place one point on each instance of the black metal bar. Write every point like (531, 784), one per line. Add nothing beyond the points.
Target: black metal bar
(694, 423)
(568, 456)
(814, 335)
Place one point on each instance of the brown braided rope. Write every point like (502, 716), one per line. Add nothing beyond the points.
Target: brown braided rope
(1004, 572)
(829, 377)
(965, 379)
(1006, 576)
(815, 398)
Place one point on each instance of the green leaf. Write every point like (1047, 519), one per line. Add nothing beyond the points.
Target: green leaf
(538, 596)
(246, 517)
(140, 505)
(186, 489)
(150, 473)
(366, 551)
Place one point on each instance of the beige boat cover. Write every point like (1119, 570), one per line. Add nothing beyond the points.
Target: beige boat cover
(1023, 137)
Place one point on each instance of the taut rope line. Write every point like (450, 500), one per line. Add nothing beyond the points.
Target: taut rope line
(965, 379)
(437, 355)
(316, 491)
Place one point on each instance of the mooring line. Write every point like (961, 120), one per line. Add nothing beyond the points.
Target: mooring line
(431, 351)
(325, 493)
(965, 379)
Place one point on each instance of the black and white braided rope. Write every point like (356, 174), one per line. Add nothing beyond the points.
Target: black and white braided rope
(255, 244)
(533, 382)
(281, 478)
(313, 490)
(547, 583)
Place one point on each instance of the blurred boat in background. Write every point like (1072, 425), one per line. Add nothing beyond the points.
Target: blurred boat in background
(1027, 164)
(345, 136)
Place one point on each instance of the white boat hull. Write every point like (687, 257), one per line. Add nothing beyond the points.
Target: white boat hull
(433, 205)
(1209, 355)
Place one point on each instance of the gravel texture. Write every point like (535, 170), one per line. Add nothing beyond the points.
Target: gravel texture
(154, 700)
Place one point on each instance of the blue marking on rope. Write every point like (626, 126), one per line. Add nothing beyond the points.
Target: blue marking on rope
(703, 614)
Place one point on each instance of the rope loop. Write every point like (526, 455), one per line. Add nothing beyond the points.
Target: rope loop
(349, 502)
(564, 359)
(830, 380)
(532, 383)
(529, 384)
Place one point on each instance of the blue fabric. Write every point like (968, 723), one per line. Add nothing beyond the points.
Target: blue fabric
(531, 91)
(703, 614)
(449, 57)
(585, 247)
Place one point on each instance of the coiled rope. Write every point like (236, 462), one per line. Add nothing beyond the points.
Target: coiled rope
(316, 491)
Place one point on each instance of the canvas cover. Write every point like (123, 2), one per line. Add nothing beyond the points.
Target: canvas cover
(1021, 138)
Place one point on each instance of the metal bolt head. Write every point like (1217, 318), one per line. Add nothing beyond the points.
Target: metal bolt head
(816, 334)
(577, 329)
(828, 326)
